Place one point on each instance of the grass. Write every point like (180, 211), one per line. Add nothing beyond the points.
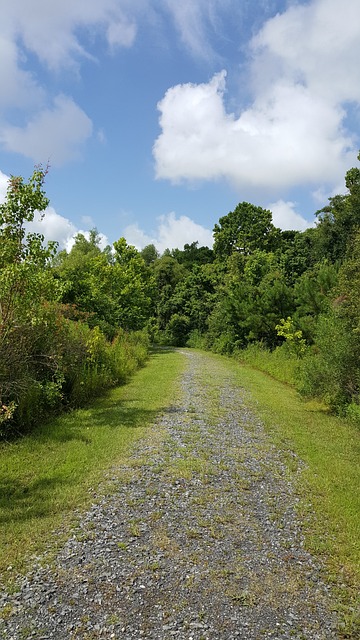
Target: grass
(329, 485)
(48, 476)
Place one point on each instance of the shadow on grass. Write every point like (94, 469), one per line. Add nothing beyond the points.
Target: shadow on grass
(104, 413)
(15, 505)
(159, 349)
(45, 469)
(24, 498)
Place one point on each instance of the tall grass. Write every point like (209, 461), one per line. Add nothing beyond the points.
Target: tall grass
(62, 363)
(279, 363)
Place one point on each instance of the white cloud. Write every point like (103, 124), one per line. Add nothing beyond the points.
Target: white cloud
(191, 19)
(121, 34)
(88, 221)
(4, 181)
(285, 216)
(317, 44)
(51, 29)
(303, 70)
(18, 87)
(53, 134)
(53, 227)
(171, 233)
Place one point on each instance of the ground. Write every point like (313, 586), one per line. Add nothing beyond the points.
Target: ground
(197, 537)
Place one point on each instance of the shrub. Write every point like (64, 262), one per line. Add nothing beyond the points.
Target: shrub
(330, 370)
(177, 330)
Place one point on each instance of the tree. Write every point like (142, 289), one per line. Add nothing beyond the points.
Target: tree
(251, 301)
(114, 290)
(167, 273)
(27, 293)
(243, 230)
(149, 254)
(192, 255)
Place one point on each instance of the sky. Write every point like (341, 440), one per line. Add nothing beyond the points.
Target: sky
(157, 117)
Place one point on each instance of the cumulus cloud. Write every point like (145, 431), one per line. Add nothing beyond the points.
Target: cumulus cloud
(303, 71)
(53, 226)
(172, 232)
(54, 133)
(286, 217)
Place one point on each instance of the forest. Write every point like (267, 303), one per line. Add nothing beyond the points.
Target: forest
(74, 324)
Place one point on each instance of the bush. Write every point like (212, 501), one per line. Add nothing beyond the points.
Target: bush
(177, 330)
(60, 363)
(196, 340)
(330, 370)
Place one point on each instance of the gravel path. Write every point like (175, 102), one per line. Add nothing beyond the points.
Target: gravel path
(198, 540)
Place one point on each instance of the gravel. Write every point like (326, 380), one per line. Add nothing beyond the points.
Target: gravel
(197, 538)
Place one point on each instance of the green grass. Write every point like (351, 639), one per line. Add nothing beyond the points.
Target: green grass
(280, 363)
(329, 485)
(46, 477)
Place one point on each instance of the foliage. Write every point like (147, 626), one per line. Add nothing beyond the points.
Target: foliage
(280, 363)
(330, 370)
(29, 370)
(58, 312)
(115, 289)
(243, 230)
(293, 336)
(67, 319)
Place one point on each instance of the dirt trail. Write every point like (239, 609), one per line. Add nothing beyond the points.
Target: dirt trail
(198, 540)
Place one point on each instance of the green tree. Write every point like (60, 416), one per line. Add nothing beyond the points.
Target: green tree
(251, 301)
(167, 273)
(27, 293)
(149, 254)
(243, 230)
(193, 255)
(114, 290)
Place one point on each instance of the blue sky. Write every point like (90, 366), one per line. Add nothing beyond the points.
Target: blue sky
(158, 117)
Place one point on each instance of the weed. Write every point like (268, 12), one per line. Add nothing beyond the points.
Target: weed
(6, 612)
(122, 545)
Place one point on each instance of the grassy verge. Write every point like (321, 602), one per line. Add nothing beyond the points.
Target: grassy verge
(47, 476)
(330, 483)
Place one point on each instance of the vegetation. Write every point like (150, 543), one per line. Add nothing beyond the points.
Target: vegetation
(71, 325)
(285, 301)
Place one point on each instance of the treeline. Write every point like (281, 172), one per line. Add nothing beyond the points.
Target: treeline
(73, 324)
(286, 301)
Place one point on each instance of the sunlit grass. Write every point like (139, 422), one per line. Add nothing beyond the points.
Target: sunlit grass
(46, 477)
